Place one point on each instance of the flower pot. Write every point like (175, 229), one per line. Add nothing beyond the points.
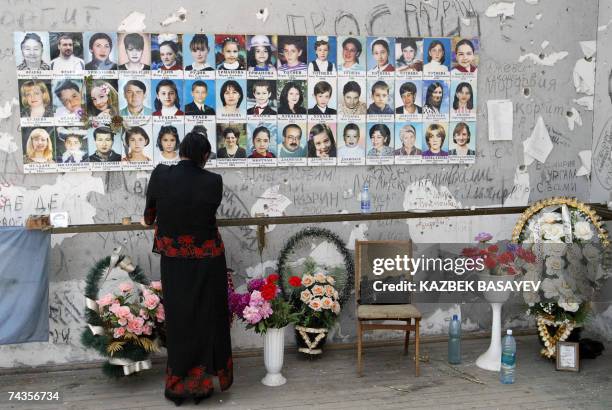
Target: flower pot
(274, 351)
(310, 340)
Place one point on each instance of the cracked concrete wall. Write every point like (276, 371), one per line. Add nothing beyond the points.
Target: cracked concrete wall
(517, 44)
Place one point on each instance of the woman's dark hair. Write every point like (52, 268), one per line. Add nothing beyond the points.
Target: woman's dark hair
(470, 103)
(259, 129)
(66, 85)
(384, 131)
(430, 90)
(432, 45)
(231, 84)
(135, 40)
(31, 36)
(382, 43)
(166, 83)
(196, 147)
(199, 42)
(200, 129)
(232, 130)
(351, 86)
(356, 43)
(168, 129)
(408, 87)
(135, 130)
(283, 100)
(458, 128)
(316, 130)
(465, 41)
(99, 36)
(408, 42)
(175, 48)
(251, 56)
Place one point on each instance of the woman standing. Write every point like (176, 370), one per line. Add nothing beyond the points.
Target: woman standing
(182, 201)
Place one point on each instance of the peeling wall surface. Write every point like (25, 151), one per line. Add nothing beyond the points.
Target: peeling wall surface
(538, 54)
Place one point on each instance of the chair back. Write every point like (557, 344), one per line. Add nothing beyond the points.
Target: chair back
(376, 268)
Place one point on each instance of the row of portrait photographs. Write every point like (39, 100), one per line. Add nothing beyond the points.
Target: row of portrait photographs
(240, 144)
(67, 101)
(253, 56)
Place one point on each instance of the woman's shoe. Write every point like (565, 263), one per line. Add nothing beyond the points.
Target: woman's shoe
(176, 400)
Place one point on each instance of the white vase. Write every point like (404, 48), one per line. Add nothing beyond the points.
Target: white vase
(274, 351)
(491, 359)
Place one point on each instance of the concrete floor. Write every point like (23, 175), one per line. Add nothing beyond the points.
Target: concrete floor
(331, 383)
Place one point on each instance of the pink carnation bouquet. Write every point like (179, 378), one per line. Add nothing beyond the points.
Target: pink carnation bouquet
(261, 307)
(133, 315)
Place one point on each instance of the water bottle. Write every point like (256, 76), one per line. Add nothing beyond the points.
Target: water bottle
(365, 199)
(454, 341)
(508, 359)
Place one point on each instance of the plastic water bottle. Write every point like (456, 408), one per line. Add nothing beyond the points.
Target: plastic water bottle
(365, 199)
(508, 359)
(454, 341)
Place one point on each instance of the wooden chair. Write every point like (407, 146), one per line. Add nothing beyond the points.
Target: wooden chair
(368, 313)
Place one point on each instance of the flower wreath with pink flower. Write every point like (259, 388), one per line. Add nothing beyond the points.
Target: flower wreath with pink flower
(127, 324)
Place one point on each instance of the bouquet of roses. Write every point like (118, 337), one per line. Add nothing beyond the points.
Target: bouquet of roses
(511, 260)
(262, 307)
(133, 315)
(315, 298)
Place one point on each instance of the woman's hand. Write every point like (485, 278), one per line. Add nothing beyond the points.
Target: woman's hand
(143, 223)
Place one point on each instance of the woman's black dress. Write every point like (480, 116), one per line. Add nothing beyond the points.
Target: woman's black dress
(182, 200)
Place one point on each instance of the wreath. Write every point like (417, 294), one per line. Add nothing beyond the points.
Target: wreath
(125, 326)
(343, 275)
(570, 245)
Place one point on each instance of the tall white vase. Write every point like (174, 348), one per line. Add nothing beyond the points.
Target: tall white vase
(491, 359)
(274, 351)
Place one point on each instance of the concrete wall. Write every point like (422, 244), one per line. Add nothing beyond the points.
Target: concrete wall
(536, 33)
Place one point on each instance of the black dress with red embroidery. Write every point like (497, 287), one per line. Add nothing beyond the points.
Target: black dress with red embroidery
(182, 201)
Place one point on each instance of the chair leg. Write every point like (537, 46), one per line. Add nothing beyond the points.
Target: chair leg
(359, 346)
(407, 338)
(416, 347)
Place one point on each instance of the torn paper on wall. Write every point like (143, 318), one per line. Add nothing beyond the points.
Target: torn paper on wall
(538, 145)
(262, 15)
(270, 203)
(588, 48)
(7, 109)
(520, 192)
(500, 116)
(573, 119)
(134, 23)
(548, 60)
(424, 195)
(69, 194)
(532, 2)
(357, 234)
(7, 142)
(586, 102)
(584, 76)
(502, 9)
(585, 160)
(178, 15)
(544, 44)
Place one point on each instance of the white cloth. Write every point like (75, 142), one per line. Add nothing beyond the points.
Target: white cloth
(67, 64)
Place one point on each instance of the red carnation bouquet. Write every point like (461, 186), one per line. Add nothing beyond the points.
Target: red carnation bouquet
(262, 307)
(512, 259)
